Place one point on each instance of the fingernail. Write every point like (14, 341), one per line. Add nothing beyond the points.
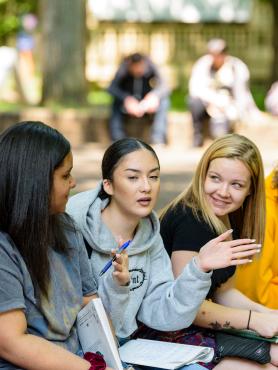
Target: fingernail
(250, 261)
(230, 231)
(258, 251)
(252, 240)
(259, 246)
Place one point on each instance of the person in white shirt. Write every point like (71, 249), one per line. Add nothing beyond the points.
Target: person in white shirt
(219, 91)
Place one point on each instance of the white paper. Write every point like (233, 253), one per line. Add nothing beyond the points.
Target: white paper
(95, 334)
(163, 354)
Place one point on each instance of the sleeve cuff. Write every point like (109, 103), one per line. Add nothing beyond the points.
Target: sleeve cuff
(197, 272)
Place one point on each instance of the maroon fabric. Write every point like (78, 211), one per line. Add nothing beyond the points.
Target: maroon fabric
(193, 335)
(96, 360)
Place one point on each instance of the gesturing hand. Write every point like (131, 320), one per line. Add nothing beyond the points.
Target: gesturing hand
(220, 253)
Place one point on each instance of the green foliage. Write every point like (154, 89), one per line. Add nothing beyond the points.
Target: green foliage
(178, 100)
(10, 13)
(98, 96)
(259, 92)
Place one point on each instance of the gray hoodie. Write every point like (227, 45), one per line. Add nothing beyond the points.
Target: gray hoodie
(153, 297)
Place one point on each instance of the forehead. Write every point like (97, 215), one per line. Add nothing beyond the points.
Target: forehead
(230, 167)
(141, 159)
(67, 162)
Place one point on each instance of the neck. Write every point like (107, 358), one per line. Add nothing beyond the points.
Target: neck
(226, 221)
(121, 225)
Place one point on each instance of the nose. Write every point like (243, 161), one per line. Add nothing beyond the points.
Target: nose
(223, 190)
(72, 183)
(145, 185)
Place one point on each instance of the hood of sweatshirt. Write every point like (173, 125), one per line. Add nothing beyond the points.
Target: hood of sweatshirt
(86, 207)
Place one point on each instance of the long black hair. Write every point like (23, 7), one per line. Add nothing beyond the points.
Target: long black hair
(29, 154)
(115, 152)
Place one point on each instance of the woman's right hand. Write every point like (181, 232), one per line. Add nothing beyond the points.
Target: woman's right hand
(121, 272)
(265, 324)
(220, 253)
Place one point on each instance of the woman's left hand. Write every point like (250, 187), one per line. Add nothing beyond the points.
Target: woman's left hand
(266, 324)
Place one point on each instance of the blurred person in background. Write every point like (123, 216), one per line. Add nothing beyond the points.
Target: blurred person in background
(25, 44)
(138, 90)
(9, 71)
(271, 100)
(219, 91)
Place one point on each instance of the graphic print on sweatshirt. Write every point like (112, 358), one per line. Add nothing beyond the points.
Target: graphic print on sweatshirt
(137, 278)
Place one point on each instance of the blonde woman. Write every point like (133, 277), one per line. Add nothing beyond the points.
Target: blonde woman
(227, 191)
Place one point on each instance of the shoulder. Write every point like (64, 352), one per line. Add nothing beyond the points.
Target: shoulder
(72, 233)
(183, 230)
(180, 214)
(11, 260)
(239, 65)
(7, 246)
(81, 202)
(122, 69)
(205, 60)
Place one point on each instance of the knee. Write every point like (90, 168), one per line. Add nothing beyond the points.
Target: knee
(164, 103)
(197, 107)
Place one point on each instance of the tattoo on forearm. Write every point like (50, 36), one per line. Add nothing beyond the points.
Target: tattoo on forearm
(217, 326)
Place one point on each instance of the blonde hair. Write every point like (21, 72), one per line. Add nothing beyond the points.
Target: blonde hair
(250, 218)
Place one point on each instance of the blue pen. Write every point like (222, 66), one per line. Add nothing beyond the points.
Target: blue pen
(109, 264)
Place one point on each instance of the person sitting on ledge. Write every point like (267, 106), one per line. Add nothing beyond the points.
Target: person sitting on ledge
(138, 90)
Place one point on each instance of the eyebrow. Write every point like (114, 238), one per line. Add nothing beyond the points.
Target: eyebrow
(138, 171)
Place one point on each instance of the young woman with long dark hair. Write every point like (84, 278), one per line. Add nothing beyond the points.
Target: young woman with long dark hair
(44, 271)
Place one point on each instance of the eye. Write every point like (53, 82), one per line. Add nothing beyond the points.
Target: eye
(237, 185)
(132, 178)
(154, 177)
(67, 176)
(214, 177)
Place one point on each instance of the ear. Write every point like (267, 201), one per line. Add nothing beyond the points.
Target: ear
(107, 186)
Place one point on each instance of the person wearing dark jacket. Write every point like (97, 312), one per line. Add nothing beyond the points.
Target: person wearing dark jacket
(138, 89)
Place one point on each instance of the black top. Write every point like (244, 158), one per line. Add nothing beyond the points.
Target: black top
(124, 84)
(180, 230)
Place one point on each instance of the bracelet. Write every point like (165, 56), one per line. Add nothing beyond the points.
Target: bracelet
(248, 322)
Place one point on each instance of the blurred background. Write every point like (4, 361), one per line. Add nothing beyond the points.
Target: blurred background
(81, 43)
(58, 57)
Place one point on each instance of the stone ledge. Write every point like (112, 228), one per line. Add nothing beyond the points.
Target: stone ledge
(91, 125)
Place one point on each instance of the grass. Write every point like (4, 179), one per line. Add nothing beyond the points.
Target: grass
(178, 97)
(100, 97)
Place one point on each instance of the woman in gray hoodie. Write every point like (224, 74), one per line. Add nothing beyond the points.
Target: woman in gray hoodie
(122, 207)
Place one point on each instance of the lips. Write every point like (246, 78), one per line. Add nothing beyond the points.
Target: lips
(144, 201)
(219, 202)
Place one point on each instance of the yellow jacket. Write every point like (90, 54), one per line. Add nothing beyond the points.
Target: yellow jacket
(259, 279)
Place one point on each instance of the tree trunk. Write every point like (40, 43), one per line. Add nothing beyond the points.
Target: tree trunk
(63, 51)
(274, 74)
